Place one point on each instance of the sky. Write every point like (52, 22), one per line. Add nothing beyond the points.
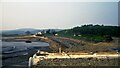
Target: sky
(57, 15)
(60, 0)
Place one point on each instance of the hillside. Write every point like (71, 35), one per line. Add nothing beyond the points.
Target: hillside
(96, 33)
(23, 30)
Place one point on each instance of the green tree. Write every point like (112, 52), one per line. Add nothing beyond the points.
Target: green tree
(27, 32)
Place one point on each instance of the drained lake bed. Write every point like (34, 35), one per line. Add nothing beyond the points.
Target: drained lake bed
(18, 53)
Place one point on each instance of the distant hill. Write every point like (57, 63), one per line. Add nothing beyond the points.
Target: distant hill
(23, 30)
(90, 32)
(90, 29)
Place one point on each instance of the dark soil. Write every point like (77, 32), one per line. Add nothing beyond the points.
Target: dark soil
(79, 62)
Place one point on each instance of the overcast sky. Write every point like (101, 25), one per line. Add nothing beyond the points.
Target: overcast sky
(57, 14)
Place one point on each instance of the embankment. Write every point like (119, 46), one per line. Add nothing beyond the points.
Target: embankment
(74, 45)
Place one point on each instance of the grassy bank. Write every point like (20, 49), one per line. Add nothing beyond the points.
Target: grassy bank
(69, 34)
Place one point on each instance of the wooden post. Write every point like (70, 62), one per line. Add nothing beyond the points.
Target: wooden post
(30, 62)
(60, 50)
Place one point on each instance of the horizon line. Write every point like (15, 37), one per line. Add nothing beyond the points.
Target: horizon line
(55, 28)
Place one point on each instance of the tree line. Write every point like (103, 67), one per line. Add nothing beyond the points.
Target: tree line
(100, 30)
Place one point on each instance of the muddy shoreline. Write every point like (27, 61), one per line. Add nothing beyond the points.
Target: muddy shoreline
(20, 57)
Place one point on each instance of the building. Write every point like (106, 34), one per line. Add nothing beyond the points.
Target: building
(39, 34)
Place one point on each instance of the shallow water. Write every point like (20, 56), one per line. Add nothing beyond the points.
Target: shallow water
(13, 47)
(18, 53)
